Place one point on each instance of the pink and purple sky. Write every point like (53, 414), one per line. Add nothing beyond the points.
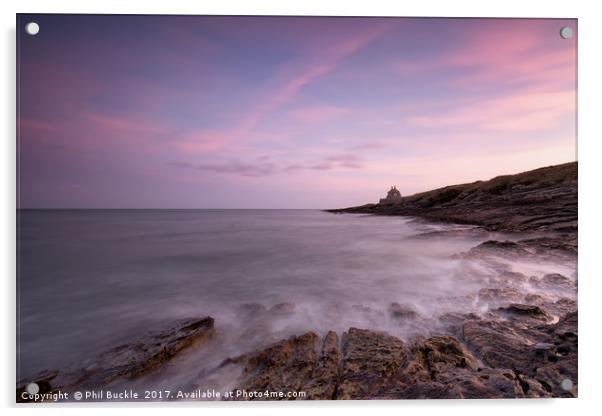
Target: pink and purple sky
(275, 112)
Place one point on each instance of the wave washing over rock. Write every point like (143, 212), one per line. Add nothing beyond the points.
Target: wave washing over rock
(337, 307)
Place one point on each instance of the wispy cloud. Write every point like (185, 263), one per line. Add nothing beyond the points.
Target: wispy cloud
(264, 167)
(124, 125)
(302, 71)
(319, 114)
(291, 107)
(370, 145)
(243, 169)
(285, 85)
(340, 161)
(502, 53)
(520, 112)
(237, 168)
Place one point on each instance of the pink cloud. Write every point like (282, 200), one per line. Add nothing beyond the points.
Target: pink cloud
(119, 125)
(33, 124)
(284, 87)
(548, 70)
(265, 167)
(203, 141)
(518, 112)
(292, 77)
(61, 91)
(319, 114)
(371, 145)
(88, 130)
(284, 93)
(342, 161)
(233, 167)
(512, 52)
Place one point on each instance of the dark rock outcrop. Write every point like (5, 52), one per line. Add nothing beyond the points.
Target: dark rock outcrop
(398, 311)
(523, 353)
(522, 310)
(523, 249)
(521, 358)
(282, 309)
(490, 357)
(543, 199)
(127, 361)
(498, 294)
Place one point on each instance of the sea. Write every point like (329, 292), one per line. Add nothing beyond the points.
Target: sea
(88, 280)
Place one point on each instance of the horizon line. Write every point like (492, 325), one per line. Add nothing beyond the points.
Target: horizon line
(168, 209)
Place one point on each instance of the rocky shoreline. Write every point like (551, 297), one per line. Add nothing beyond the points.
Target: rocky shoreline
(517, 350)
(516, 359)
(520, 344)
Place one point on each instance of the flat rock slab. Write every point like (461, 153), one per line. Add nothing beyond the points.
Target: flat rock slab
(301, 363)
(545, 353)
(371, 362)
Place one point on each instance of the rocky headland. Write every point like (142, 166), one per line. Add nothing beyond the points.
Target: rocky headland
(543, 199)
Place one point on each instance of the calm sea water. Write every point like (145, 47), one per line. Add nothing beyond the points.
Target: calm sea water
(89, 279)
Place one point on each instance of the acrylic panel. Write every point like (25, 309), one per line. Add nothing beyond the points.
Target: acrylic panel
(297, 208)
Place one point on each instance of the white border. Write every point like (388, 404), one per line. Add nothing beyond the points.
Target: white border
(590, 68)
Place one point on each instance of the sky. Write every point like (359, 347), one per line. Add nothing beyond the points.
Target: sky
(284, 112)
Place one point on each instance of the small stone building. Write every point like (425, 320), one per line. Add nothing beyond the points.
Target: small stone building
(393, 197)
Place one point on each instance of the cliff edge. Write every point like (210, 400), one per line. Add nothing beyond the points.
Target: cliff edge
(543, 199)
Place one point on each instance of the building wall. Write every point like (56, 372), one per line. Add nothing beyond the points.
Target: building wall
(391, 200)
